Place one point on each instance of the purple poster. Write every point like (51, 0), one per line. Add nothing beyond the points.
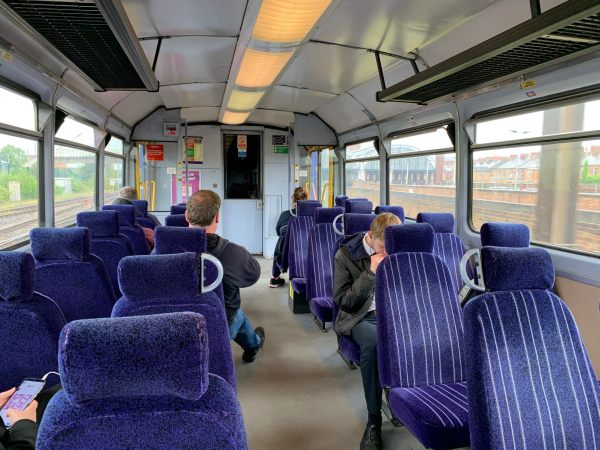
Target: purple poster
(189, 185)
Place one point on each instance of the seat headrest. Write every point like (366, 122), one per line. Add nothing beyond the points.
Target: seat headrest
(178, 209)
(340, 200)
(511, 269)
(355, 223)
(326, 215)
(100, 223)
(441, 222)
(359, 206)
(142, 356)
(72, 244)
(414, 237)
(141, 207)
(17, 272)
(307, 207)
(170, 240)
(126, 214)
(502, 234)
(144, 278)
(396, 210)
(176, 220)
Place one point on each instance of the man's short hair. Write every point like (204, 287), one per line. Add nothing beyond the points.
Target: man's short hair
(128, 192)
(202, 207)
(381, 222)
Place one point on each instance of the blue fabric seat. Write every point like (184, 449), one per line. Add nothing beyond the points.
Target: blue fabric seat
(69, 274)
(140, 383)
(359, 206)
(178, 209)
(340, 200)
(176, 220)
(396, 210)
(321, 250)
(530, 381)
(170, 283)
(141, 214)
(107, 243)
(420, 339)
(447, 245)
(30, 323)
(503, 234)
(129, 227)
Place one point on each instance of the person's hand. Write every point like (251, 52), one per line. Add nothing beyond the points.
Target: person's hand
(14, 415)
(375, 260)
(4, 396)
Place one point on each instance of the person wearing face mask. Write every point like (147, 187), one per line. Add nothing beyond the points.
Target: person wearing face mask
(354, 293)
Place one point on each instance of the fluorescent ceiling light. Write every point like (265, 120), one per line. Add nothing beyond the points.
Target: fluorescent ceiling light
(244, 100)
(287, 20)
(234, 118)
(259, 69)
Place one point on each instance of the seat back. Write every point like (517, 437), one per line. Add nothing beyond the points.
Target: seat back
(396, 210)
(141, 214)
(419, 320)
(529, 378)
(107, 243)
(30, 323)
(157, 284)
(503, 234)
(178, 209)
(340, 200)
(69, 274)
(129, 227)
(140, 382)
(296, 240)
(176, 220)
(321, 250)
(359, 206)
(447, 245)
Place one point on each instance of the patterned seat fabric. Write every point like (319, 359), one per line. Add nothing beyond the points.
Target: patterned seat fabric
(158, 284)
(30, 323)
(107, 243)
(530, 381)
(502, 234)
(340, 200)
(447, 245)
(397, 210)
(178, 209)
(176, 220)
(129, 227)
(141, 214)
(359, 206)
(420, 336)
(321, 250)
(69, 274)
(140, 382)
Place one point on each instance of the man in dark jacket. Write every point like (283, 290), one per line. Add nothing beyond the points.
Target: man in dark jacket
(354, 292)
(240, 269)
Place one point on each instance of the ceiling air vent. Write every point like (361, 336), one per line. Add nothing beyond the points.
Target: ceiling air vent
(96, 37)
(564, 32)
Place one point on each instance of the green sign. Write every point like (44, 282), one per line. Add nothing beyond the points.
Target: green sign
(280, 149)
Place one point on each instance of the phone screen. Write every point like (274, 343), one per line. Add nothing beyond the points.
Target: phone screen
(24, 395)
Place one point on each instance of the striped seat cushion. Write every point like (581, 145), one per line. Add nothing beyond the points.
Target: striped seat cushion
(319, 282)
(349, 349)
(437, 414)
(451, 249)
(298, 230)
(322, 308)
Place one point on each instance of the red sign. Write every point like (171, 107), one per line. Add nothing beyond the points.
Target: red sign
(242, 142)
(155, 152)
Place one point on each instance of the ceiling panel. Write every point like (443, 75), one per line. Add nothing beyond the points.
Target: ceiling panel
(201, 114)
(192, 59)
(277, 118)
(185, 17)
(190, 95)
(343, 113)
(137, 106)
(331, 69)
(287, 98)
(393, 26)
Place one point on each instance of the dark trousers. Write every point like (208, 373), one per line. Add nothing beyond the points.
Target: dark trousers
(365, 335)
(275, 270)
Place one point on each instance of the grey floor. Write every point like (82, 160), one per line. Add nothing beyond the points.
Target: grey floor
(298, 394)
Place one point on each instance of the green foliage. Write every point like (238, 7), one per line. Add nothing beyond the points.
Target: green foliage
(13, 156)
(585, 174)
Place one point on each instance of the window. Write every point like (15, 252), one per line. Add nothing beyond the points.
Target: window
(362, 174)
(361, 150)
(328, 178)
(553, 187)
(422, 178)
(80, 133)
(242, 166)
(74, 183)
(303, 178)
(19, 202)
(113, 177)
(115, 145)
(21, 112)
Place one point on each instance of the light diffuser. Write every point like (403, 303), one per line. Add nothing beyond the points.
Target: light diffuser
(234, 118)
(259, 69)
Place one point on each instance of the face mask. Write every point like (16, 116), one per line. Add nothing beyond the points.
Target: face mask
(370, 250)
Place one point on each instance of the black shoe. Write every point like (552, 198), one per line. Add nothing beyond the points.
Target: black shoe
(250, 353)
(276, 282)
(371, 439)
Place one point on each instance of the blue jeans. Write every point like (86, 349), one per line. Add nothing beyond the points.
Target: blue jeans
(242, 332)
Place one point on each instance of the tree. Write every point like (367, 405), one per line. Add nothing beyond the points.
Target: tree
(13, 156)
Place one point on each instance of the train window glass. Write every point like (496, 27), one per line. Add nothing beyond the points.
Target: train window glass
(113, 177)
(19, 201)
(242, 166)
(327, 178)
(21, 112)
(437, 139)
(362, 180)
(115, 145)
(578, 117)
(80, 133)
(74, 183)
(302, 177)
(361, 150)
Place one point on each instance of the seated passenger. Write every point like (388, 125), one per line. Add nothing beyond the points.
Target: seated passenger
(282, 225)
(240, 269)
(128, 193)
(354, 292)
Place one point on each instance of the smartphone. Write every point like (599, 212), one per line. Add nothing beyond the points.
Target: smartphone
(24, 395)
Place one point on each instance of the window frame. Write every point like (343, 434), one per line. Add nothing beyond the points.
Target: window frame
(347, 161)
(126, 147)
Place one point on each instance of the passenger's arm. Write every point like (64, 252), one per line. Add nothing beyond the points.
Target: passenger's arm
(239, 266)
(349, 294)
(21, 436)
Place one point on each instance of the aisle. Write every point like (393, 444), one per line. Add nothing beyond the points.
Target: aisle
(298, 394)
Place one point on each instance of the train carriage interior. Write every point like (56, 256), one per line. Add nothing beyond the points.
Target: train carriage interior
(458, 140)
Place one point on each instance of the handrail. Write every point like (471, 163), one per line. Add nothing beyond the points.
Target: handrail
(207, 257)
